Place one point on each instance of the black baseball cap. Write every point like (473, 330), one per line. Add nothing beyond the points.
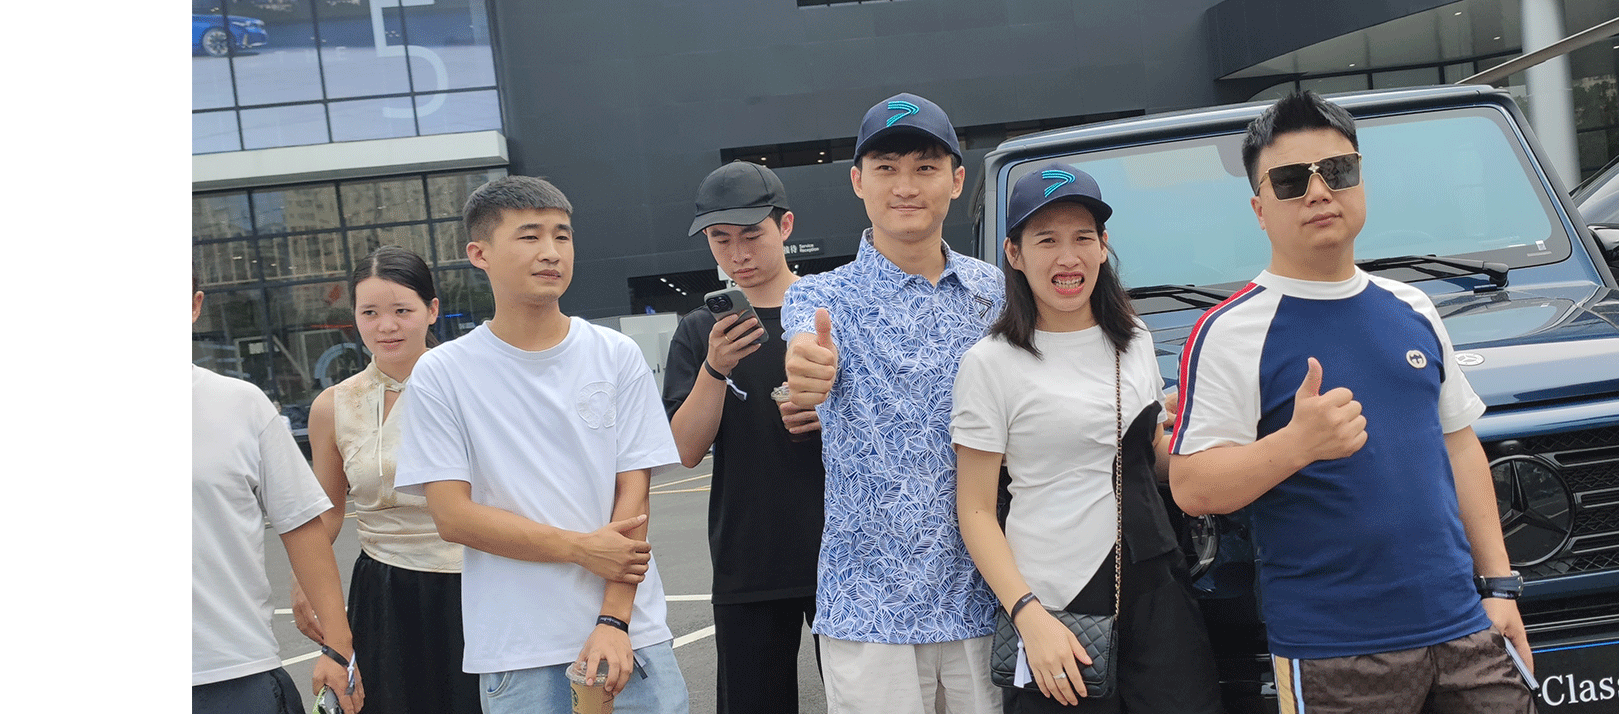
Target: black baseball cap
(1052, 183)
(738, 194)
(906, 112)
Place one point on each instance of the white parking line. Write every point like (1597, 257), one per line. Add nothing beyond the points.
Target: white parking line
(311, 655)
(684, 640)
(688, 598)
(671, 483)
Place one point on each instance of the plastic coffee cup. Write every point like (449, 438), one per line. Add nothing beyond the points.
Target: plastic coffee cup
(589, 694)
(782, 395)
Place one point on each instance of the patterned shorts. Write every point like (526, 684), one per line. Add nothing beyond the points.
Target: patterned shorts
(1471, 675)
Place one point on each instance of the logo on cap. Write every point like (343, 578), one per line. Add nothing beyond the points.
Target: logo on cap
(1063, 178)
(904, 108)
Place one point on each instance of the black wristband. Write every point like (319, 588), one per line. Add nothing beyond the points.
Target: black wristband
(611, 621)
(713, 372)
(1021, 602)
(329, 652)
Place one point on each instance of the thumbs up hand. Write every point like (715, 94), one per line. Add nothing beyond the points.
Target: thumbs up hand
(1326, 426)
(812, 363)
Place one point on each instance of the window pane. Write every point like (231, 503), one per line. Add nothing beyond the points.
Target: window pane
(312, 339)
(284, 126)
(296, 209)
(281, 66)
(220, 216)
(447, 194)
(461, 111)
(464, 301)
(449, 45)
(357, 59)
(372, 119)
(368, 203)
(1457, 72)
(212, 132)
(228, 337)
(210, 76)
(411, 237)
(224, 263)
(303, 256)
(450, 238)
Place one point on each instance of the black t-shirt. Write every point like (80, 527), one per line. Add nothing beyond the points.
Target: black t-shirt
(766, 507)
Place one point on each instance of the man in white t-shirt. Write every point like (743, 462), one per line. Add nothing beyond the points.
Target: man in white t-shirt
(534, 438)
(246, 469)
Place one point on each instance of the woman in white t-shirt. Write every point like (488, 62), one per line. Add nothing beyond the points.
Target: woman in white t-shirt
(405, 592)
(1064, 370)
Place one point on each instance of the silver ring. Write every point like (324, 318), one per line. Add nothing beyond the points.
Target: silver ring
(1060, 675)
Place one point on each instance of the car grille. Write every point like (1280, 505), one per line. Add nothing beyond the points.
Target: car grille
(1587, 462)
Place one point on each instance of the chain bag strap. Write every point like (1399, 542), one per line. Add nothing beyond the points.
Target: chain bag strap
(1096, 633)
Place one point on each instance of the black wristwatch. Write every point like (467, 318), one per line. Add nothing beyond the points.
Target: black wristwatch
(1509, 587)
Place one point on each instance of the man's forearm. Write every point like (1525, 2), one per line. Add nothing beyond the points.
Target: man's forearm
(1226, 478)
(1475, 496)
(697, 421)
(461, 520)
(631, 498)
(315, 568)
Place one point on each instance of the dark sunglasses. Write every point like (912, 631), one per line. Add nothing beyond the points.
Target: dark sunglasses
(1293, 180)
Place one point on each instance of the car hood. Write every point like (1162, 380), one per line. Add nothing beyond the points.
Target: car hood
(1519, 347)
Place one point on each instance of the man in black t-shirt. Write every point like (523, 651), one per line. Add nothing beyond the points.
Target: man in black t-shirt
(765, 509)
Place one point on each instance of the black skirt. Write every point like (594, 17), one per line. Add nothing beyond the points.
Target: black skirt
(407, 634)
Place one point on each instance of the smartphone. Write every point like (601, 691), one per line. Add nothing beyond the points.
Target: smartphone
(326, 702)
(731, 301)
(1523, 669)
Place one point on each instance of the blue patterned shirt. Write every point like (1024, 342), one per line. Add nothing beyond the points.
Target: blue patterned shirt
(893, 568)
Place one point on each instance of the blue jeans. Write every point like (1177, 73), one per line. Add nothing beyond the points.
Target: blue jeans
(545, 690)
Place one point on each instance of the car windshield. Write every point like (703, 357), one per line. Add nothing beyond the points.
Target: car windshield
(1449, 183)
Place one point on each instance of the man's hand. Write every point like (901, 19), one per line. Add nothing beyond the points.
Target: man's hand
(329, 673)
(1172, 408)
(1325, 426)
(610, 555)
(610, 644)
(812, 364)
(799, 420)
(303, 613)
(729, 342)
(1503, 613)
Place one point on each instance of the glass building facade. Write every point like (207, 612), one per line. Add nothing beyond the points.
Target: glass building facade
(273, 73)
(275, 262)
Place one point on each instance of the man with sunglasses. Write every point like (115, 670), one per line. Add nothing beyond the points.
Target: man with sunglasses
(1329, 403)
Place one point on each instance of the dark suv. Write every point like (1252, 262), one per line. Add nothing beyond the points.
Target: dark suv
(1461, 205)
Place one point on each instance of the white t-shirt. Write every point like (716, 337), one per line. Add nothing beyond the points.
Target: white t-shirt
(1053, 418)
(245, 468)
(542, 435)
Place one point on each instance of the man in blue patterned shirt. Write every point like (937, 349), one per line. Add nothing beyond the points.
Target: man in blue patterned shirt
(875, 344)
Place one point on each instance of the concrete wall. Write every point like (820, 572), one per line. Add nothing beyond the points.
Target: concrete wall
(626, 104)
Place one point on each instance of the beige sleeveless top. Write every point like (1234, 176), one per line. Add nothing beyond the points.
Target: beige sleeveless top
(394, 528)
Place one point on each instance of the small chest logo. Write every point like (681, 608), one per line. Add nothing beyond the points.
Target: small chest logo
(1416, 359)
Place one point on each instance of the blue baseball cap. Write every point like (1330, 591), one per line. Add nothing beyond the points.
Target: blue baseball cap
(906, 112)
(1054, 182)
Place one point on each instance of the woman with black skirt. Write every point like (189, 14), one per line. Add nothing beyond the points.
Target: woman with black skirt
(1065, 369)
(405, 593)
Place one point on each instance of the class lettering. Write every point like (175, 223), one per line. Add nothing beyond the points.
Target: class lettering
(1560, 689)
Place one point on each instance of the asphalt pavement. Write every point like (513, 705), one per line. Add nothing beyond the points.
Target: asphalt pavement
(679, 539)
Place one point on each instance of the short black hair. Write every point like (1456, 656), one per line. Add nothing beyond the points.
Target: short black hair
(906, 143)
(483, 208)
(1298, 111)
(776, 215)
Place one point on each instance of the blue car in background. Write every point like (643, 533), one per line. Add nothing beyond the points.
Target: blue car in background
(214, 35)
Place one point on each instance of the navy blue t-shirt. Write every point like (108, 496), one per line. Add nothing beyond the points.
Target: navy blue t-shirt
(1362, 554)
